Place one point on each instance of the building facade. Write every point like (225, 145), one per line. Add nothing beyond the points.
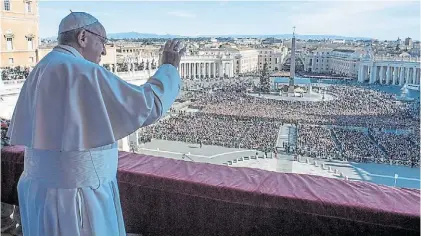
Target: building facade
(364, 66)
(207, 66)
(408, 43)
(247, 61)
(19, 29)
(273, 57)
(389, 70)
(342, 62)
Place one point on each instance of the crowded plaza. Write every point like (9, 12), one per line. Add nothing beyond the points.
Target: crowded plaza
(227, 115)
(350, 127)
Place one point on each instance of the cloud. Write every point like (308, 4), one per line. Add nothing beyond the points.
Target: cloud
(182, 14)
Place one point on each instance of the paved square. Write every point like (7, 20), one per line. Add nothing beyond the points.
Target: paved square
(377, 173)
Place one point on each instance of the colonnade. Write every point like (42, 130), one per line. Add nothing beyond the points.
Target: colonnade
(390, 74)
(131, 65)
(198, 70)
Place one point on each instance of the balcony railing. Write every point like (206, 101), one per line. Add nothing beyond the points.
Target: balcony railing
(161, 196)
(396, 58)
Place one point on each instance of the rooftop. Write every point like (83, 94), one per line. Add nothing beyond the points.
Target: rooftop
(344, 50)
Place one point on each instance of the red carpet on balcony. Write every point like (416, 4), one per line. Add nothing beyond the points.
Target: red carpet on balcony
(163, 196)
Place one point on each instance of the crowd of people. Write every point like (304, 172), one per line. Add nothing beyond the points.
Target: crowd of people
(353, 106)
(210, 129)
(229, 116)
(357, 146)
(399, 147)
(316, 142)
(224, 105)
(4, 124)
(15, 73)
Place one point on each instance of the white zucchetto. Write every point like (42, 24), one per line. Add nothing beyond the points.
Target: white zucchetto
(76, 20)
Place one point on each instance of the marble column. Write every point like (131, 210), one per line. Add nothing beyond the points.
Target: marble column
(415, 75)
(373, 74)
(395, 75)
(406, 81)
(196, 70)
(360, 73)
(411, 75)
(402, 76)
(191, 70)
(381, 76)
(193, 73)
(186, 69)
(181, 70)
(210, 69)
(388, 75)
(215, 66)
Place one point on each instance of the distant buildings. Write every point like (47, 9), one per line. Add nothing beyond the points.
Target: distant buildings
(408, 43)
(217, 57)
(333, 61)
(273, 57)
(365, 66)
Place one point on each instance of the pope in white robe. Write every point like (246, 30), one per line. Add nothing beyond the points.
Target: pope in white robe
(69, 116)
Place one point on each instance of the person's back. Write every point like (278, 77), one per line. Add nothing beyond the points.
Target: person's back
(69, 115)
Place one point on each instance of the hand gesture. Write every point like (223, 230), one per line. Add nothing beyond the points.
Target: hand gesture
(171, 53)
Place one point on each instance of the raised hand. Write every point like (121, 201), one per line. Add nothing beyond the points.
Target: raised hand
(171, 53)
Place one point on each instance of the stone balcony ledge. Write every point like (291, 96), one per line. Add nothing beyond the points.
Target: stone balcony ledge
(161, 196)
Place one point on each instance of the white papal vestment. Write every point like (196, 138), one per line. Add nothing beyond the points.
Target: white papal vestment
(69, 115)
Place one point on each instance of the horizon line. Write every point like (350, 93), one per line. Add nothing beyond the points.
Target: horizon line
(259, 35)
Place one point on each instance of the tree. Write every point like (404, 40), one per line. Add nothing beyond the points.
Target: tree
(264, 80)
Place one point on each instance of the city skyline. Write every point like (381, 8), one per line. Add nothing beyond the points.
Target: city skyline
(397, 18)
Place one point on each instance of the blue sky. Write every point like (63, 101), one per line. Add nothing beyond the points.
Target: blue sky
(377, 19)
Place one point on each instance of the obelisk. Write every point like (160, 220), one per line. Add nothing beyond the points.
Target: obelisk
(292, 68)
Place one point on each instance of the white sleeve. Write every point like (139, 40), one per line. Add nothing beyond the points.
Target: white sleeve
(131, 107)
(78, 106)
